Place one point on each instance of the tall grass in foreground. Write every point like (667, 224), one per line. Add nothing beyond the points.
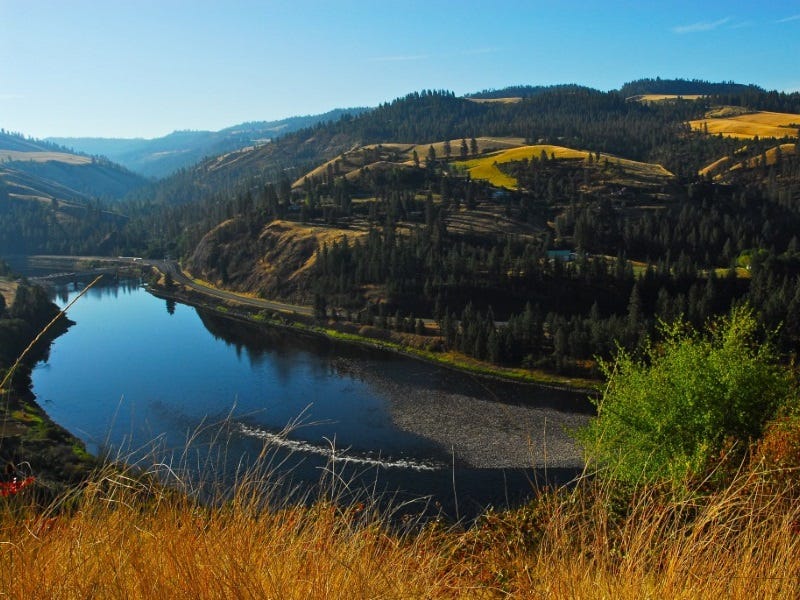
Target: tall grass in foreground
(121, 537)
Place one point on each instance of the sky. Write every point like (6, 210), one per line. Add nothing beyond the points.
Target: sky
(145, 68)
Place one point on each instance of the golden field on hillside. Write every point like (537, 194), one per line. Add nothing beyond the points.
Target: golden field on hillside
(486, 167)
(393, 155)
(664, 97)
(726, 164)
(761, 124)
(62, 157)
(485, 144)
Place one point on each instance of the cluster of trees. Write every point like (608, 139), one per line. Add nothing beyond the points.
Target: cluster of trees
(512, 303)
(30, 311)
(477, 288)
(684, 87)
(28, 227)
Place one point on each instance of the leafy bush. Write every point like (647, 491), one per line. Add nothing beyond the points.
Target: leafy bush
(666, 415)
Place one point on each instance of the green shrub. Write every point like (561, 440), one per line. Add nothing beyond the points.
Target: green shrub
(666, 415)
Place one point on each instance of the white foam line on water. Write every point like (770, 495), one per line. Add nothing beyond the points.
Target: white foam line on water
(336, 454)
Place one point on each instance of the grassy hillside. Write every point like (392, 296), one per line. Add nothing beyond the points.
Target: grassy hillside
(41, 157)
(488, 167)
(277, 266)
(749, 125)
(567, 116)
(43, 171)
(727, 165)
(393, 155)
(664, 97)
(119, 537)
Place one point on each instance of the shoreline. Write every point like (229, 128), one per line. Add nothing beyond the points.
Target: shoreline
(31, 440)
(299, 323)
(298, 318)
(64, 470)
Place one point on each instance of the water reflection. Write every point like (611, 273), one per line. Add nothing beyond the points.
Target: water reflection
(128, 373)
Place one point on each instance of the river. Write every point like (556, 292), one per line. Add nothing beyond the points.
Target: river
(147, 379)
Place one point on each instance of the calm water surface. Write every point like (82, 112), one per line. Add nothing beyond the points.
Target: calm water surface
(136, 373)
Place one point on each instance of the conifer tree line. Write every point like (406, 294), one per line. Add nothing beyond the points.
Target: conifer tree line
(593, 261)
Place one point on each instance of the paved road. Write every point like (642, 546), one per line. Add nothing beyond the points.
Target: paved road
(179, 277)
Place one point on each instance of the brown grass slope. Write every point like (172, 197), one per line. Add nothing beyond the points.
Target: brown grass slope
(727, 165)
(621, 170)
(392, 155)
(119, 537)
(273, 265)
(648, 98)
(730, 122)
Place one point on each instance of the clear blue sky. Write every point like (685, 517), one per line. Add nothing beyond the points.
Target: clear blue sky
(143, 68)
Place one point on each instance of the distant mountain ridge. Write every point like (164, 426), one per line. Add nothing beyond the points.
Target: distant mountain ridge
(39, 170)
(159, 157)
(54, 201)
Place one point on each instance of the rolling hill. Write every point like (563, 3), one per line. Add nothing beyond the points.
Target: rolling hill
(627, 172)
(576, 215)
(158, 157)
(724, 168)
(748, 125)
(38, 170)
(352, 163)
(51, 200)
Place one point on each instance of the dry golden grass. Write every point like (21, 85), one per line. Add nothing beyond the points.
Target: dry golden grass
(290, 234)
(664, 97)
(121, 538)
(771, 156)
(393, 155)
(62, 157)
(377, 167)
(509, 100)
(486, 167)
(726, 112)
(721, 164)
(485, 144)
(726, 164)
(762, 124)
(352, 160)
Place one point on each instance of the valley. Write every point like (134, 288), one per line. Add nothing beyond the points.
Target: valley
(527, 234)
(439, 300)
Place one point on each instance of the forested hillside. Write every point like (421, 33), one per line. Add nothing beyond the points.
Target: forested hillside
(534, 232)
(585, 249)
(50, 170)
(55, 201)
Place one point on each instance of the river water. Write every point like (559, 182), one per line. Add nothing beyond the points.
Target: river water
(138, 376)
